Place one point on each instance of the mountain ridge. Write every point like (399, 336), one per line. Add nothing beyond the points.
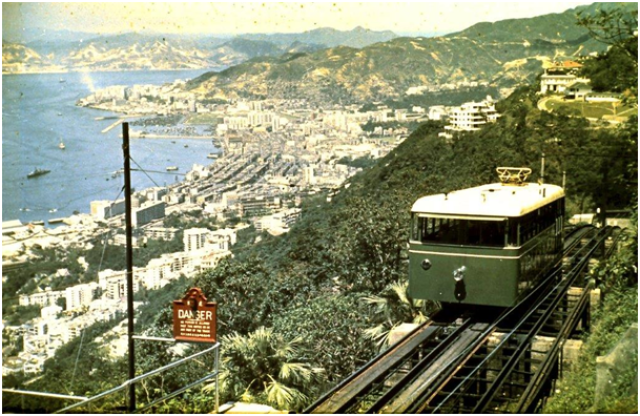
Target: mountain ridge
(502, 54)
(187, 51)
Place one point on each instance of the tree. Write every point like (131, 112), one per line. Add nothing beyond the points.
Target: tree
(261, 367)
(613, 27)
(394, 306)
(331, 327)
(617, 70)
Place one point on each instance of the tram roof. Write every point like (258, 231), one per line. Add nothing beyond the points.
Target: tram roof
(493, 200)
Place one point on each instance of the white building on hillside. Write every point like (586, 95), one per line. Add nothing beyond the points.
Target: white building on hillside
(79, 295)
(472, 116)
(195, 238)
(559, 76)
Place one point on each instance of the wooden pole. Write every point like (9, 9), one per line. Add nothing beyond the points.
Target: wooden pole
(129, 257)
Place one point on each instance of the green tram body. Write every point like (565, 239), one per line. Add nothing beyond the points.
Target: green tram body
(487, 245)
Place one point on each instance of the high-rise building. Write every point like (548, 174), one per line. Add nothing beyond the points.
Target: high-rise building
(148, 212)
(102, 210)
(79, 295)
(195, 238)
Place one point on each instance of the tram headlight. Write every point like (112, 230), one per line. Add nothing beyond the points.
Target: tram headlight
(426, 264)
(458, 274)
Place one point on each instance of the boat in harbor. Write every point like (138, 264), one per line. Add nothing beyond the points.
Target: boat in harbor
(61, 145)
(171, 168)
(37, 172)
(212, 156)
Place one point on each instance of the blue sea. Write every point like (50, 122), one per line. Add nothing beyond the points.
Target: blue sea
(39, 111)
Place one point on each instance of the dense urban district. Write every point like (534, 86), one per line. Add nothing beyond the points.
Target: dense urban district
(298, 227)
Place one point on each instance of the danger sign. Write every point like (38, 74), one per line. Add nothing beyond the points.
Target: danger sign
(194, 319)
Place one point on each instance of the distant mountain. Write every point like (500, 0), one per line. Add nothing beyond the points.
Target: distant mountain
(67, 50)
(355, 38)
(503, 54)
(144, 54)
(19, 58)
(133, 51)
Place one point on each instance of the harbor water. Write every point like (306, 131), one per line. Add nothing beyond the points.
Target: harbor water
(39, 111)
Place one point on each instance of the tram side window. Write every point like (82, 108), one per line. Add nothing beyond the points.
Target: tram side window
(459, 231)
(537, 221)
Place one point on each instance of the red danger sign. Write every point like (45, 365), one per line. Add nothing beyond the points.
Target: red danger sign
(194, 319)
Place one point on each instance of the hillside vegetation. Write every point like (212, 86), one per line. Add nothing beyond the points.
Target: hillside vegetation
(299, 312)
(503, 54)
(308, 293)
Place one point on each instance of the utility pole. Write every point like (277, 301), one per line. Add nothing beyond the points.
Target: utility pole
(129, 255)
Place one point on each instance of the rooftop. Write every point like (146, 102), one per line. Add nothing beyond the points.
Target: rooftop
(493, 200)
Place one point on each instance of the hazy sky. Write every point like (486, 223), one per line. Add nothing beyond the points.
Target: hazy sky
(263, 17)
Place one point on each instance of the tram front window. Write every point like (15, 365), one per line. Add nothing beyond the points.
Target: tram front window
(459, 231)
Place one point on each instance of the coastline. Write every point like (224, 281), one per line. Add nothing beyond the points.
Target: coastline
(80, 71)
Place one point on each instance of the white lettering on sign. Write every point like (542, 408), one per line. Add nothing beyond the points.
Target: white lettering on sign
(199, 315)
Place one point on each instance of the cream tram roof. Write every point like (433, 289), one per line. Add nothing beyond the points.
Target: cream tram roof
(493, 200)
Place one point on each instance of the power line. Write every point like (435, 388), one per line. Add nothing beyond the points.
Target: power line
(145, 172)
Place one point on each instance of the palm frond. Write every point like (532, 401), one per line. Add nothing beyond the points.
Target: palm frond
(281, 396)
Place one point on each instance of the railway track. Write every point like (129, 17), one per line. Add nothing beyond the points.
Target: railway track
(479, 364)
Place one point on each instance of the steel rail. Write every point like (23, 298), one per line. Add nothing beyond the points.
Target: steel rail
(486, 359)
(530, 397)
(342, 395)
(483, 403)
(532, 392)
(430, 392)
(345, 394)
(559, 290)
(420, 387)
(419, 367)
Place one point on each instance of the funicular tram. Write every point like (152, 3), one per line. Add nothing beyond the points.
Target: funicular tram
(486, 245)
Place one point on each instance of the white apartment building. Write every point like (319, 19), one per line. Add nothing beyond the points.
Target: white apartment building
(114, 283)
(437, 112)
(212, 258)
(160, 233)
(222, 239)
(472, 116)
(236, 123)
(42, 299)
(195, 238)
(280, 221)
(102, 210)
(117, 289)
(259, 118)
(80, 295)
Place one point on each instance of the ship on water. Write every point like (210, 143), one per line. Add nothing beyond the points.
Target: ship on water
(37, 172)
(61, 145)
